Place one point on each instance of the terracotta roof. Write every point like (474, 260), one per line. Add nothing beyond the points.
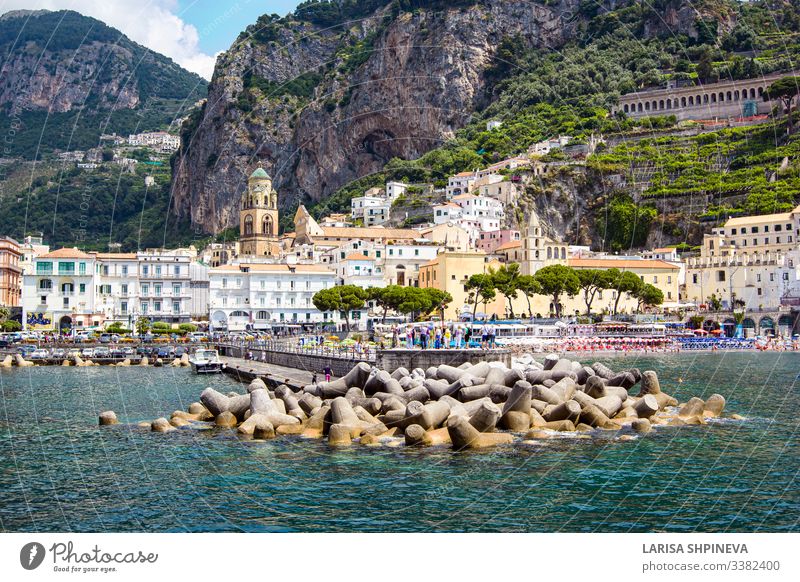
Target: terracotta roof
(448, 205)
(464, 174)
(664, 250)
(367, 233)
(357, 257)
(464, 197)
(431, 263)
(67, 253)
(512, 244)
(117, 256)
(271, 268)
(629, 264)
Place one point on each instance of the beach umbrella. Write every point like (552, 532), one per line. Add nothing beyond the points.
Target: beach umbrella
(717, 331)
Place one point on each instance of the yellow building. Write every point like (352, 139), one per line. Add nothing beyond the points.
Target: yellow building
(449, 271)
(258, 218)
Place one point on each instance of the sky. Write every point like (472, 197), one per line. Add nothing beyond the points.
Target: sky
(190, 32)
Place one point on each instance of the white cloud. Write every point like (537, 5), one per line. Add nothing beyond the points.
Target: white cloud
(152, 23)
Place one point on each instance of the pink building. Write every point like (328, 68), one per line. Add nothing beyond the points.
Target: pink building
(489, 241)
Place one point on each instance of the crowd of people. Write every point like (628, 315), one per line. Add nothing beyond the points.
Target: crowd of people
(444, 336)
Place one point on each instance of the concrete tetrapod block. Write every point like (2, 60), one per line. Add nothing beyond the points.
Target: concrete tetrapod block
(593, 416)
(465, 436)
(145, 361)
(562, 365)
(340, 435)
(495, 376)
(449, 373)
(536, 418)
(406, 383)
(582, 398)
(602, 370)
(225, 419)
(22, 362)
(432, 373)
(433, 415)
(714, 405)
(565, 388)
(238, 405)
(595, 387)
(550, 361)
(624, 379)
(342, 413)
(263, 429)
(178, 422)
(107, 417)
(540, 392)
(485, 418)
(537, 376)
(400, 372)
(560, 426)
(584, 374)
(256, 384)
(646, 406)
(456, 407)
(609, 405)
(318, 424)
(519, 399)
(161, 425)
(371, 405)
(642, 425)
(439, 436)
(215, 402)
(377, 381)
(248, 426)
(480, 370)
(7, 362)
(516, 421)
(309, 402)
(512, 377)
(569, 410)
(665, 400)
(261, 403)
(414, 434)
(393, 403)
(473, 405)
(475, 392)
(650, 383)
(617, 391)
(694, 407)
(539, 405)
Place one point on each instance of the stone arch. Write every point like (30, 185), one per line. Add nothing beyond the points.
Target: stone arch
(669, 103)
(549, 252)
(752, 92)
(713, 97)
(760, 91)
(736, 95)
(766, 326)
(639, 106)
(721, 97)
(625, 108)
(683, 101)
(266, 226)
(248, 225)
(647, 106)
(691, 101)
(563, 253)
(65, 324)
(710, 325)
(705, 97)
(661, 104)
(728, 96)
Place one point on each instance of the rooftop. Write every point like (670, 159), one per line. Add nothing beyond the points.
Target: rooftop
(513, 244)
(67, 253)
(629, 264)
(743, 220)
(357, 257)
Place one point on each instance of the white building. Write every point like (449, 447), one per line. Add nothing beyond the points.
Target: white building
(160, 140)
(262, 295)
(117, 287)
(493, 124)
(447, 212)
(395, 189)
(164, 285)
(360, 270)
(545, 147)
(58, 291)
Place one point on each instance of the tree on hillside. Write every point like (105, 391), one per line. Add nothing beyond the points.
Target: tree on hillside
(344, 299)
(649, 296)
(592, 282)
(555, 280)
(482, 286)
(623, 282)
(785, 90)
(529, 286)
(506, 280)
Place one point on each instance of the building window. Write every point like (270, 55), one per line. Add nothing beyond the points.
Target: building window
(669, 278)
(82, 268)
(123, 307)
(45, 285)
(157, 289)
(733, 231)
(758, 277)
(145, 269)
(176, 307)
(772, 277)
(44, 268)
(753, 229)
(66, 268)
(124, 270)
(655, 278)
(177, 269)
(144, 289)
(720, 275)
(144, 306)
(785, 276)
(158, 270)
(156, 306)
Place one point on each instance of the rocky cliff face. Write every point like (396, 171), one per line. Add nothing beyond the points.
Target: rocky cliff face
(323, 106)
(62, 61)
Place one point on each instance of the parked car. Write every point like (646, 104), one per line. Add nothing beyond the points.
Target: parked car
(107, 338)
(26, 351)
(58, 353)
(128, 352)
(179, 351)
(166, 352)
(39, 354)
(87, 352)
(102, 352)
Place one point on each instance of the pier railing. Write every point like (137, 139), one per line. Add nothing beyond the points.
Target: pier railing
(354, 353)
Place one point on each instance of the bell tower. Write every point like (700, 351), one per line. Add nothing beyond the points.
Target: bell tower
(258, 217)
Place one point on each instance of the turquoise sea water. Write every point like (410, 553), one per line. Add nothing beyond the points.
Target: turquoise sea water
(60, 472)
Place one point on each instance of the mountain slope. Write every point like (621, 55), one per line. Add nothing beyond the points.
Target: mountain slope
(66, 78)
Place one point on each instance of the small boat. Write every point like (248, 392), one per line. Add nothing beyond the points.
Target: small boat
(206, 362)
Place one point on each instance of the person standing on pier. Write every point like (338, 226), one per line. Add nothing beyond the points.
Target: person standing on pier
(327, 371)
